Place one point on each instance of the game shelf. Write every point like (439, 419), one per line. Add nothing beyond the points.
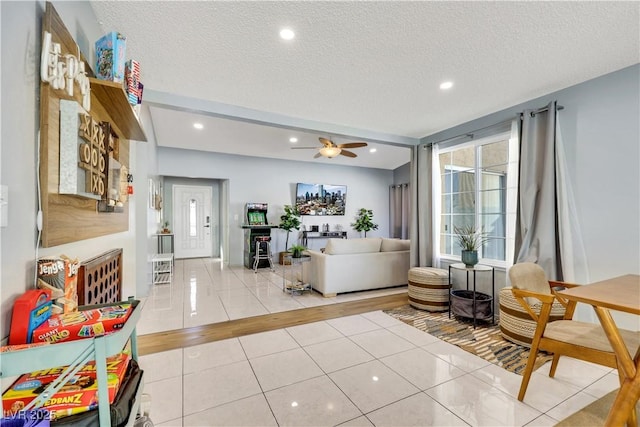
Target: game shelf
(76, 354)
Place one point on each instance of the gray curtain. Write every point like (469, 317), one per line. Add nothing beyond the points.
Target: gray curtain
(399, 211)
(421, 225)
(537, 238)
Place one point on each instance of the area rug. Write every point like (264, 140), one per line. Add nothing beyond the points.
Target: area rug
(484, 341)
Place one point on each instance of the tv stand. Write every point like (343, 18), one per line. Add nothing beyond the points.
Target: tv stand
(322, 235)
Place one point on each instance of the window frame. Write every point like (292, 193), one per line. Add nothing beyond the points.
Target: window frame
(477, 170)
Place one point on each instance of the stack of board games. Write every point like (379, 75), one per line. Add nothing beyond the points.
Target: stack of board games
(79, 394)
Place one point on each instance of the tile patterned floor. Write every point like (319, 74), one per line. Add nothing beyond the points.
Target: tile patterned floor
(364, 370)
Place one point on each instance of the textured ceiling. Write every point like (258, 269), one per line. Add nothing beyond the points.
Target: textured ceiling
(373, 66)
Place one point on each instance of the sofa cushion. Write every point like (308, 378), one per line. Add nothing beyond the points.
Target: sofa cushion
(352, 246)
(392, 245)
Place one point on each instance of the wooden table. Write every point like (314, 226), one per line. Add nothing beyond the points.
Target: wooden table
(620, 294)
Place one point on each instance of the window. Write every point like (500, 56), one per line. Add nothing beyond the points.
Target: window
(473, 187)
(192, 218)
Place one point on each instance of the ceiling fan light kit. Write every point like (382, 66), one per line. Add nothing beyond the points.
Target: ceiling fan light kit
(330, 150)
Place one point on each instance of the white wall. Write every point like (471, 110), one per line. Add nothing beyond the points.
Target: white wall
(253, 179)
(402, 174)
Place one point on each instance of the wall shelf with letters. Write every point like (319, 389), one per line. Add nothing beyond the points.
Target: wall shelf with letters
(99, 123)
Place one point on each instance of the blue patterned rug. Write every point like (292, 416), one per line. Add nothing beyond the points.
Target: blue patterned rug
(484, 341)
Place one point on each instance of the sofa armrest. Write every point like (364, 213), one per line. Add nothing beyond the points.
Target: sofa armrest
(316, 269)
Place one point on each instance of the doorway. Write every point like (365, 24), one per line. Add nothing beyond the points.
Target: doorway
(194, 226)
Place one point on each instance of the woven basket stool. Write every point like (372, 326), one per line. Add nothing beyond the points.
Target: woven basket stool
(515, 323)
(429, 288)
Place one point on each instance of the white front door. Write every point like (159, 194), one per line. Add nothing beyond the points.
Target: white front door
(192, 221)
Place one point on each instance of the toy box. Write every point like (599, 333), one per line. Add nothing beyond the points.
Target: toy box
(79, 394)
(30, 310)
(110, 54)
(60, 276)
(82, 324)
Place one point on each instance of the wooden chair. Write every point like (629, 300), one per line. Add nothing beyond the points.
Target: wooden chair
(566, 337)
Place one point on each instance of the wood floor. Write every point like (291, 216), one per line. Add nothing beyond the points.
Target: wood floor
(170, 340)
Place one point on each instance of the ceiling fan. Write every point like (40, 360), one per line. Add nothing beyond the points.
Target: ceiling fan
(330, 149)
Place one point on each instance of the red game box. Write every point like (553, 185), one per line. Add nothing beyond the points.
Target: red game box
(82, 324)
(79, 394)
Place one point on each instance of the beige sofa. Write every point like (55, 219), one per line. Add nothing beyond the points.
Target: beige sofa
(349, 265)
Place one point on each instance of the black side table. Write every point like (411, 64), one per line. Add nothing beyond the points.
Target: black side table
(475, 269)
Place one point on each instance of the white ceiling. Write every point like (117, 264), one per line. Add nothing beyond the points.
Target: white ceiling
(357, 70)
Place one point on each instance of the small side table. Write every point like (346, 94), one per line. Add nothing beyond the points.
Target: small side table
(475, 269)
(161, 243)
(294, 285)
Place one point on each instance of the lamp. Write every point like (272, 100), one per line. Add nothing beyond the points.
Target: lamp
(330, 152)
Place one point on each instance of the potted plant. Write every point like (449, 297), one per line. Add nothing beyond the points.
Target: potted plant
(364, 221)
(470, 239)
(289, 221)
(165, 227)
(296, 251)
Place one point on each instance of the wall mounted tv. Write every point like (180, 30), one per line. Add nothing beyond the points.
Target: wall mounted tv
(321, 199)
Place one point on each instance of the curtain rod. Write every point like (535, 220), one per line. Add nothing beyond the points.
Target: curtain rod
(543, 109)
(471, 134)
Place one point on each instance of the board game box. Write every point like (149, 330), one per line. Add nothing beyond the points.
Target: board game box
(78, 395)
(110, 57)
(82, 324)
(30, 310)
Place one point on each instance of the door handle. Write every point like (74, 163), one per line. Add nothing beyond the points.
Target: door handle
(206, 226)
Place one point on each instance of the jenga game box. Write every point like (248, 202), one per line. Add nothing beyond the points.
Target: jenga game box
(60, 276)
(79, 394)
(82, 324)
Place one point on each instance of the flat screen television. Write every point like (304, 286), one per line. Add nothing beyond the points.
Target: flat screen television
(321, 199)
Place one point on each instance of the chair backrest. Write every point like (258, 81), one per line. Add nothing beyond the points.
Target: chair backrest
(529, 276)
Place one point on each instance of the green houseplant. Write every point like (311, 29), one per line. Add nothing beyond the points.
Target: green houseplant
(470, 239)
(296, 250)
(364, 221)
(289, 221)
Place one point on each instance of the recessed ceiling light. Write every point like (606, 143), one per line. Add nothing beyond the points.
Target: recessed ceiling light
(287, 34)
(293, 139)
(373, 150)
(198, 125)
(446, 85)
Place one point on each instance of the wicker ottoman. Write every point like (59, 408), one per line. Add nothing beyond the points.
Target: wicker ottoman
(429, 288)
(515, 323)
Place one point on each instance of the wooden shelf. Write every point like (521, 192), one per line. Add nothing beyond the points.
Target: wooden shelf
(112, 97)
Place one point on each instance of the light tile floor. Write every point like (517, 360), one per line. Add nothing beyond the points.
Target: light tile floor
(362, 370)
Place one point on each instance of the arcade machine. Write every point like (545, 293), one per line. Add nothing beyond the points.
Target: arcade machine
(256, 229)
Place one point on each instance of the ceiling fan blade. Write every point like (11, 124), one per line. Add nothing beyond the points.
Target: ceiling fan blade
(305, 148)
(348, 153)
(318, 154)
(326, 142)
(353, 145)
